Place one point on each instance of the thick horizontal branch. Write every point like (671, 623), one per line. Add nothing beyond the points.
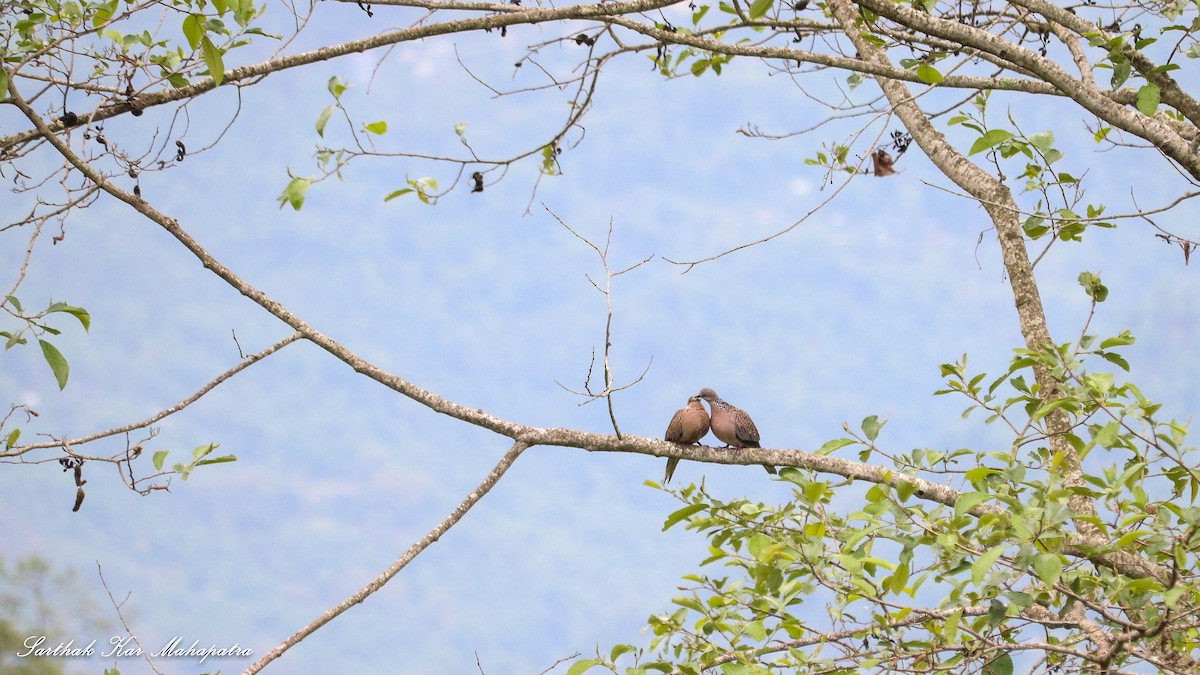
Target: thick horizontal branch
(829, 60)
(1090, 548)
(511, 16)
(650, 29)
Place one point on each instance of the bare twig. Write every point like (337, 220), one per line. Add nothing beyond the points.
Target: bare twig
(166, 412)
(560, 662)
(609, 275)
(117, 606)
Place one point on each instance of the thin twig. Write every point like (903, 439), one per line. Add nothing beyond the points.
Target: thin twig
(689, 264)
(120, 615)
(560, 662)
(245, 363)
(609, 387)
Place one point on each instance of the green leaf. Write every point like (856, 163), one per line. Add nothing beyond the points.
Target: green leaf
(336, 86)
(1042, 141)
(1049, 568)
(1171, 596)
(57, 362)
(1092, 286)
(323, 119)
(984, 564)
(12, 439)
(1125, 338)
(969, 500)
(1071, 405)
(759, 7)
(997, 610)
(12, 299)
(871, 426)
(1148, 99)
(950, 632)
(212, 59)
(460, 128)
(758, 545)
(1101, 382)
(690, 603)
(217, 460)
(835, 444)
(293, 194)
(158, 459)
(684, 513)
(259, 31)
(620, 650)
(396, 193)
(1035, 226)
(193, 30)
(1001, 665)
(1107, 435)
(244, 11)
(423, 186)
(899, 579)
(378, 128)
(1116, 359)
(1121, 72)
(990, 140)
(580, 667)
(3, 84)
(104, 13)
(77, 312)
(928, 74)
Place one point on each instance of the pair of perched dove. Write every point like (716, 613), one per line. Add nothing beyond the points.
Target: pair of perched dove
(729, 423)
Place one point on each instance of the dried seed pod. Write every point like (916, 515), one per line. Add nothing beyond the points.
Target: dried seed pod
(882, 163)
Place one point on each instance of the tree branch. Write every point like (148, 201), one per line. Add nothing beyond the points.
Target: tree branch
(251, 72)
(245, 363)
(413, 551)
(1090, 98)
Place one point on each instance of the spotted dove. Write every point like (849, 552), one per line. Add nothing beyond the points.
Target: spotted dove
(731, 425)
(687, 426)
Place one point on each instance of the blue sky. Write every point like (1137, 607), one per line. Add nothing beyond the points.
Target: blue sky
(849, 315)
